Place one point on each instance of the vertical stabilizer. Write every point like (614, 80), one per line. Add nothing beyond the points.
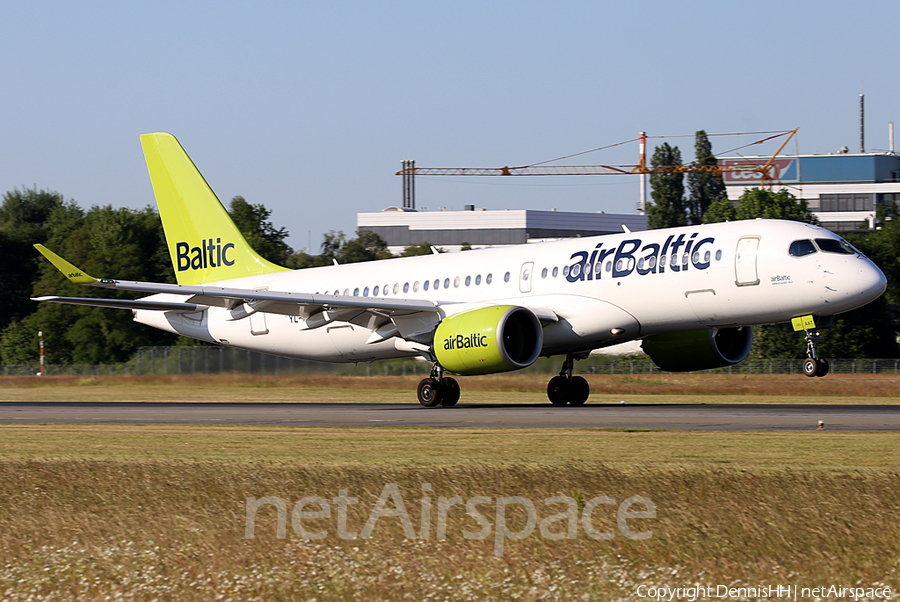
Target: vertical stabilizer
(204, 244)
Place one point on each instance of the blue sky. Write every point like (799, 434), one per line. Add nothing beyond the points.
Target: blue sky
(310, 107)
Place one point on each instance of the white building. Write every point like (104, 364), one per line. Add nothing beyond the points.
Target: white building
(842, 190)
(488, 228)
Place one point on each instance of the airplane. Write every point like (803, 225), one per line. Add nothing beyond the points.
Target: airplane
(691, 294)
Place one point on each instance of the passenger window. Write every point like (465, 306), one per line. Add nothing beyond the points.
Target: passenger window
(830, 245)
(425, 285)
(799, 248)
(346, 292)
(489, 278)
(544, 273)
(719, 255)
(555, 272)
(396, 287)
(437, 284)
(406, 287)
(386, 289)
(566, 271)
(506, 277)
(468, 280)
(416, 287)
(456, 282)
(366, 292)
(356, 292)
(375, 292)
(446, 283)
(477, 279)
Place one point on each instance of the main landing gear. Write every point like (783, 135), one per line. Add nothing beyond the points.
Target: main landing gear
(567, 389)
(813, 366)
(438, 390)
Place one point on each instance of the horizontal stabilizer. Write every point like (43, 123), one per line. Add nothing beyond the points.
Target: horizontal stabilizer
(124, 303)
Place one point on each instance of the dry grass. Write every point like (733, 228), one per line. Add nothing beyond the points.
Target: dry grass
(624, 450)
(159, 513)
(88, 529)
(503, 388)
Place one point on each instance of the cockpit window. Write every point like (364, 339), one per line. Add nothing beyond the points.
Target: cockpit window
(830, 245)
(799, 248)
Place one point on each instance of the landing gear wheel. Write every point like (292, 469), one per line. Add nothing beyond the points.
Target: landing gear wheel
(579, 391)
(450, 392)
(823, 368)
(429, 392)
(558, 390)
(811, 366)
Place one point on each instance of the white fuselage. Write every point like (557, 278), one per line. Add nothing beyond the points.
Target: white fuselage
(601, 290)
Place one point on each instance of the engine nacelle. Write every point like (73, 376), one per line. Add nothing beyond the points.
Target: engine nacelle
(699, 349)
(487, 340)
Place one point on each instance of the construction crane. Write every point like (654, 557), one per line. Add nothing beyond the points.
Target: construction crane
(766, 170)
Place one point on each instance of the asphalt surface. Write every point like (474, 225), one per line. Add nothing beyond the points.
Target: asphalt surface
(705, 417)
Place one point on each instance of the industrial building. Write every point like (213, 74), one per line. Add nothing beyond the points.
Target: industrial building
(404, 226)
(841, 189)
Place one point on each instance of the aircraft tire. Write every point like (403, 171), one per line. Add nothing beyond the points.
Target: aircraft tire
(810, 366)
(823, 367)
(579, 391)
(429, 393)
(450, 392)
(558, 390)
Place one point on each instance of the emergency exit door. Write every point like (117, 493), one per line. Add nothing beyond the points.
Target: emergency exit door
(745, 272)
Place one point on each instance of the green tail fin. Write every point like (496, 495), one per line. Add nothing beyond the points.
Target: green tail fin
(204, 244)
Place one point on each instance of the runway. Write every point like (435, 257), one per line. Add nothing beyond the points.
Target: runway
(703, 417)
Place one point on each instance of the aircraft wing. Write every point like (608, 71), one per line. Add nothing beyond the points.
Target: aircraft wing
(123, 303)
(230, 298)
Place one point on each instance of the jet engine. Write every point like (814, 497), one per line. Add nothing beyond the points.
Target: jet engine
(699, 349)
(487, 340)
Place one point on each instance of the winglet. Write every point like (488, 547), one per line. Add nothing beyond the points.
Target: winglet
(69, 271)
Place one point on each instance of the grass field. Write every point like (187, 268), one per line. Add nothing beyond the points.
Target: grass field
(504, 388)
(160, 512)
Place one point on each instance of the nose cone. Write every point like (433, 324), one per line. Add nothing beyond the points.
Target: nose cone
(871, 281)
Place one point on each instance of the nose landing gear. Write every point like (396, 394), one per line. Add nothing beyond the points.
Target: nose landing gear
(437, 389)
(812, 365)
(567, 389)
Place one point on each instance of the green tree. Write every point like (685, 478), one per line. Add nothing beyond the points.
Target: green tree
(120, 243)
(420, 249)
(253, 222)
(760, 203)
(764, 203)
(666, 210)
(332, 243)
(25, 217)
(367, 246)
(719, 211)
(705, 188)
